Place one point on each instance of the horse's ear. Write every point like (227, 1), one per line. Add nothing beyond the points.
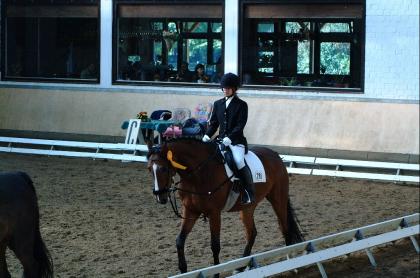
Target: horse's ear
(149, 144)
(148, 139)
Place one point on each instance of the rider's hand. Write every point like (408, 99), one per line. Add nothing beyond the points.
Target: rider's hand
(226, 141)
(205, 138)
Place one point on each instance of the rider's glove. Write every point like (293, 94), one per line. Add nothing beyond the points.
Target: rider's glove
(205, 138)
(226, 141)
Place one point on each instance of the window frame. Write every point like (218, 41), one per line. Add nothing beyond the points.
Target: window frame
(211, 39)
(23, 3)
(326, 37)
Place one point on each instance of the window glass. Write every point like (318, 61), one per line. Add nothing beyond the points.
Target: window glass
(217, 51)
(171, 48)
(265, 27)
(195, 27)
(44, 44)
(216, 27)
(335, 28)
(265, 61)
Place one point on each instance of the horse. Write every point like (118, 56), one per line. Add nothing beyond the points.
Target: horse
(204, 188)
(19, 227)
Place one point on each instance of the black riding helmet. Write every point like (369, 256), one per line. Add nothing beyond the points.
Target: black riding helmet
(229, 80)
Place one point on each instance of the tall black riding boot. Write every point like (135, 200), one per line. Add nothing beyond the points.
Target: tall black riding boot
(246, 179)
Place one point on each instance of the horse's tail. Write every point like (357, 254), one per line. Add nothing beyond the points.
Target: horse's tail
(42, 256)
(294, 234)
(41, 253)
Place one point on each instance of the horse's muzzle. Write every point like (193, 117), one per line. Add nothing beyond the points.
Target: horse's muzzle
(162, 200)
(159, 193)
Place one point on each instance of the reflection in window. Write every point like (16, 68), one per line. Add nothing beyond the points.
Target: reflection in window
(195, 27)
(296, 27)
(44, 44)
(303, 58)
(171, 49)
(335, 58)
(195, 51)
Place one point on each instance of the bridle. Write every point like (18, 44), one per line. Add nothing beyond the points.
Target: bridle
(174, 185)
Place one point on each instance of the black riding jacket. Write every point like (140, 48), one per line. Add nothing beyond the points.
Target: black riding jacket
(231, 121)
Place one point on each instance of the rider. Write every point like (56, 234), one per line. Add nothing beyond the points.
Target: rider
(230, 114)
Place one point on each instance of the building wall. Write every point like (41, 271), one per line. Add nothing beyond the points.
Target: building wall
(392, 49)
(384, 118)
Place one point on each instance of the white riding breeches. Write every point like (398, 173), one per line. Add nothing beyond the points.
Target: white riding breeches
(238, 152)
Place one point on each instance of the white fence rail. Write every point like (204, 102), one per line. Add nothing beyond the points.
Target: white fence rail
(38, 146)
(312, 165)
(315, 251)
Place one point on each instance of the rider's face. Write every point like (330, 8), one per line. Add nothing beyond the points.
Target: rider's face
(228, 92)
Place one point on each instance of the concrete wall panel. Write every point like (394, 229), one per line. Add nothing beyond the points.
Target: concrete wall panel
(324, 124)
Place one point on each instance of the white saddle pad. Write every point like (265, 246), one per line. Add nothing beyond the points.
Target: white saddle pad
(256, 166)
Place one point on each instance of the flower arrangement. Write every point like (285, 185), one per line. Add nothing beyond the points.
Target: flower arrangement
(143, 116)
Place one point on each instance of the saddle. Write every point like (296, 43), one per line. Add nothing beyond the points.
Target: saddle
(253, 162)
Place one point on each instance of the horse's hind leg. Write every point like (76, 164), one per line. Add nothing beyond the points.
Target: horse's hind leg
(280, 209)
(247, 217)
(4, 273)
(287, 221)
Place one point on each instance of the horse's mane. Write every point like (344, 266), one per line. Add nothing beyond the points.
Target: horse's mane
(158, 148)
(191, 140)
(188, 139)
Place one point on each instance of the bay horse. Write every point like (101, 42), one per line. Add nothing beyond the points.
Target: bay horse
(19, 227)
(204, 187)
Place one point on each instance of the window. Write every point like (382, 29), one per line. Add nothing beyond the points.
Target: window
(305, 45)
(169, 43)
(51, 42)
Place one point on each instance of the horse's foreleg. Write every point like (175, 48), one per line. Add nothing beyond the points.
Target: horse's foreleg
(215, 221)
(188, 222)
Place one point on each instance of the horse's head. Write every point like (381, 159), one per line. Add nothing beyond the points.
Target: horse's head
(162, 173)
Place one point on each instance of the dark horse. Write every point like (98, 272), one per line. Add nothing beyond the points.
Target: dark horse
(204, 188)
(19, 227)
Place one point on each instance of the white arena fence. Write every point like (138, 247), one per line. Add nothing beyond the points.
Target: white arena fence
(74, 149)
(318, 250)
(388, 171)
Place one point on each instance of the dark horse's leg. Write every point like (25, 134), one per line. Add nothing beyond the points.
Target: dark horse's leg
(22, 246)
(25, 237)
(214, 221)
(4, 273)
(187, 224)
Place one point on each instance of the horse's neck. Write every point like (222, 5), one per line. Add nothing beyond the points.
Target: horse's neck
(193, 154)
(197, 158)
